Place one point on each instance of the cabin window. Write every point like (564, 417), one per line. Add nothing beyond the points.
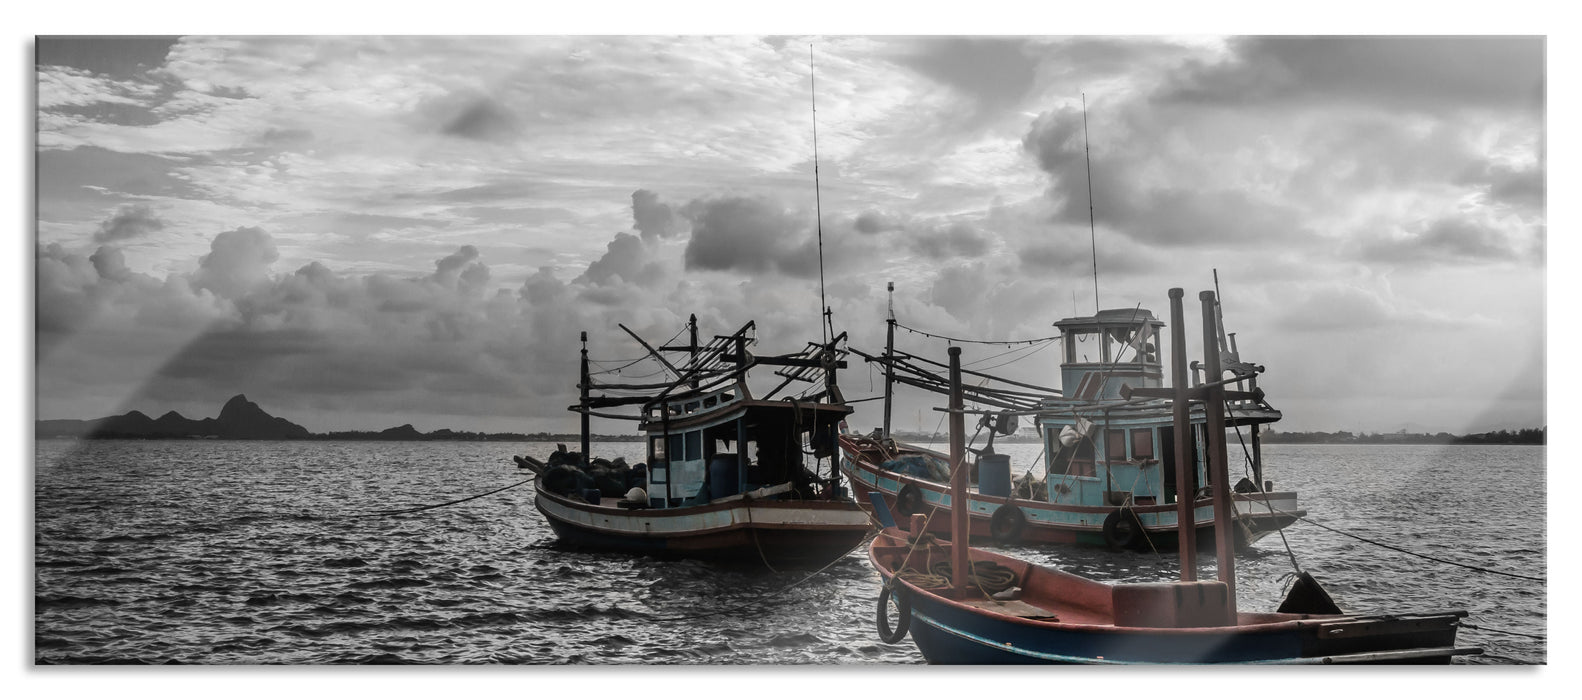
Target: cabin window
(1081, 462)
(657, 447)
(677, 447)
(692, 406)
(694, 445)
(1143, 444)
(1115, 442)
(711, 401)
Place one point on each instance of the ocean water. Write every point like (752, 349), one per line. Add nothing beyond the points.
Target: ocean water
(222, 552)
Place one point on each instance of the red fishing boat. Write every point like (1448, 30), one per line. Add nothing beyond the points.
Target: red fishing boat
(963, 605)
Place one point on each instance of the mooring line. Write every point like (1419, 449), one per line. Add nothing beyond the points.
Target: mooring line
(1471, 626)
(379, 513)
(1415, 554)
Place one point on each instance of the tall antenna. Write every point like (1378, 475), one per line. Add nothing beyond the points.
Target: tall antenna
(1092, 232)
(818, 206)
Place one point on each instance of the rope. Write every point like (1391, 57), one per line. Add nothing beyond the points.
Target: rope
(1029, 353)
(437, 505)
(1029, 341)
(1471, 626)
(1424, 556)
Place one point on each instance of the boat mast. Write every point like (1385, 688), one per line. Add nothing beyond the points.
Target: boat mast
(826, 326)
(692, 345)
(1214, 426)
(1092, 231)
(958, 482)
(889, 359)
(584, 388)
(1186, 498)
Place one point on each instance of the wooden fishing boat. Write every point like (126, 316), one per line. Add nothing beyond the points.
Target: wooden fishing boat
(1109, 456)
(726, 474)
(969, 606)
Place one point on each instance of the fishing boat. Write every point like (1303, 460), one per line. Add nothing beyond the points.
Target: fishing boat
(964, 605)
(1109, 472)
(727, 473)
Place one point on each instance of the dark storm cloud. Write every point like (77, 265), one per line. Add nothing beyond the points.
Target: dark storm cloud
(946, 241)
(120, 57)
(1449, 239)
(1520, 187)
(995, 71)
(483, 119)
(622, 258)
(130, 221)
(873, 221)
(1427, 73)
(739, 233)
(1170, 215)
(652, 218)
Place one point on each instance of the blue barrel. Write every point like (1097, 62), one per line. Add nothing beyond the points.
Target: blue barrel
(723, 476)
(994, 475)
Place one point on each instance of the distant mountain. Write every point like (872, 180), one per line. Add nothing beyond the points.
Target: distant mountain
(239, 419)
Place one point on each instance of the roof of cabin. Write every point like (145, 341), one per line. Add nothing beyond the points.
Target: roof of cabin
(1109, 318)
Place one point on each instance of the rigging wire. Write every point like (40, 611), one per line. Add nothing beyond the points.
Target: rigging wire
(1029, 341)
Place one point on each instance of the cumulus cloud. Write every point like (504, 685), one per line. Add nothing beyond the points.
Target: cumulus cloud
(746, 234)
(652, 218)
(238, 261)
(130, 221)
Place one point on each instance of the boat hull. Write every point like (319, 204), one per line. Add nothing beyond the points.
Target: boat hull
(790, 533)
(1257, 515)
(976, 630)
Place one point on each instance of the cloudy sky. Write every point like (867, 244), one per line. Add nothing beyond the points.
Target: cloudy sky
(359, 232)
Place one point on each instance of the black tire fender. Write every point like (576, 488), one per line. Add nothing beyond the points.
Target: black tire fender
(903, 604)
(908, 501)
(1005, 526)
(1123, 530)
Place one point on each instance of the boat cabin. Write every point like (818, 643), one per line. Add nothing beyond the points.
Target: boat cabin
(1105, 451)
(706, 446)
(1112, 348)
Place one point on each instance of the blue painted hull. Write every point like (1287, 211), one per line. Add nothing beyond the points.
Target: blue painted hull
(954, 636)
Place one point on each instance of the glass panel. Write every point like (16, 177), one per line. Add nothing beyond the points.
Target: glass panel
(1116, 441)
(657, 447)
(1143, 444)
(694, 445)
(676, 446)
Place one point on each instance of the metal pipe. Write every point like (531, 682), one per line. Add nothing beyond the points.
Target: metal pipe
(1186, 520)
(1219, 473)
(959, 532)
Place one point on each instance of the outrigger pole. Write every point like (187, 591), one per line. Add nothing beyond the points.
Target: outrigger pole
(584, 385)
(889, 359)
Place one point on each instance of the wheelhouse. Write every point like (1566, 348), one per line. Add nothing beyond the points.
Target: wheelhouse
(704, 447)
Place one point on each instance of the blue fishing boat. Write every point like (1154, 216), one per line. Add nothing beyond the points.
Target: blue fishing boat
(727, 473)
(964, 605)
(1109, 472)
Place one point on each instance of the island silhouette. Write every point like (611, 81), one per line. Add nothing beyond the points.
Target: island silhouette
(241, 419)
